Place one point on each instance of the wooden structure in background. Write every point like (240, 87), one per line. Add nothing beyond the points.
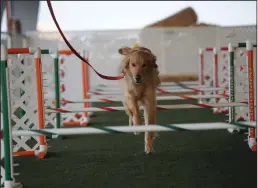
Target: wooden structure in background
(184, 18)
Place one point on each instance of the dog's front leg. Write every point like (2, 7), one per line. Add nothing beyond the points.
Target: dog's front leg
(129, 113)
(134, 109)
(150, 118)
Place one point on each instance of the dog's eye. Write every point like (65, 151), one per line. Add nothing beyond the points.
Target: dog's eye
(133, 64)
(144, 65)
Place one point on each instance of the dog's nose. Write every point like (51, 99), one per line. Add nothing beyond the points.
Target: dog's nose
(138, 77)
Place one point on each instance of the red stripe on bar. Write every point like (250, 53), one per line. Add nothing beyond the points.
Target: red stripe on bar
(96, 93)
(186, 97)
(60, 110)
(18, 50)
(203, 105)
(106, 100)
(108, 109)
(66, 101)
(162, 91)
(223, 48)
(209, 49)
(65, 52)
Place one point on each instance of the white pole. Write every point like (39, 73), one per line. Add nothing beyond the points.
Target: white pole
(131, 129)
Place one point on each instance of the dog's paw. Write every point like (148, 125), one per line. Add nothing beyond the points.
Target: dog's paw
(130, 122)
(148, 153)
(148, 149)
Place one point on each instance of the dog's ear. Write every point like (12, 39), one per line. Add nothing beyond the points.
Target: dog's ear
(153, 62)
(125, 51)
(124, 66)
(152, 56)
(154, 65)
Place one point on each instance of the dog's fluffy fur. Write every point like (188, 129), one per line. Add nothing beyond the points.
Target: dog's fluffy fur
(141, 62)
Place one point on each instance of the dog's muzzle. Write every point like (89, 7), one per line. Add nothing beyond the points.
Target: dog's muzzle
(138, 79)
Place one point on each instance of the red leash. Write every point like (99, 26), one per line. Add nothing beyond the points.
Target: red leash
(74, 51)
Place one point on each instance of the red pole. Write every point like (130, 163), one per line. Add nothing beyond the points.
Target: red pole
(201, 71)
(215, 73)
(251, 93)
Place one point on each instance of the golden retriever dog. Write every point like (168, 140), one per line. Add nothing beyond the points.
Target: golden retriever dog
(139, 87)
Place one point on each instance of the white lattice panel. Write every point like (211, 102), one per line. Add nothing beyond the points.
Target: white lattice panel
(25, 102)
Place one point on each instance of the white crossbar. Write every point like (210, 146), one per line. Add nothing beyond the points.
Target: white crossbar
(130, 129)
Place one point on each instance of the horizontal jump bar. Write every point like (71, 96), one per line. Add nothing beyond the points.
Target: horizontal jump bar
(159, 98)
(131, 129)
(170, 90)
(32, 51)
(175, 87)
(225, 48)
(158, 107)
(194, 83)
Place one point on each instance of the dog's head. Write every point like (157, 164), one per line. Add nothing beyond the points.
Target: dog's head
(137, 63)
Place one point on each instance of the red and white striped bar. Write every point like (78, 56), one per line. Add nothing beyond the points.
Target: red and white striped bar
(12, 51)
(163, 84)
(172, 88)
(159, 98)
(159, 107)
(177, 90)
